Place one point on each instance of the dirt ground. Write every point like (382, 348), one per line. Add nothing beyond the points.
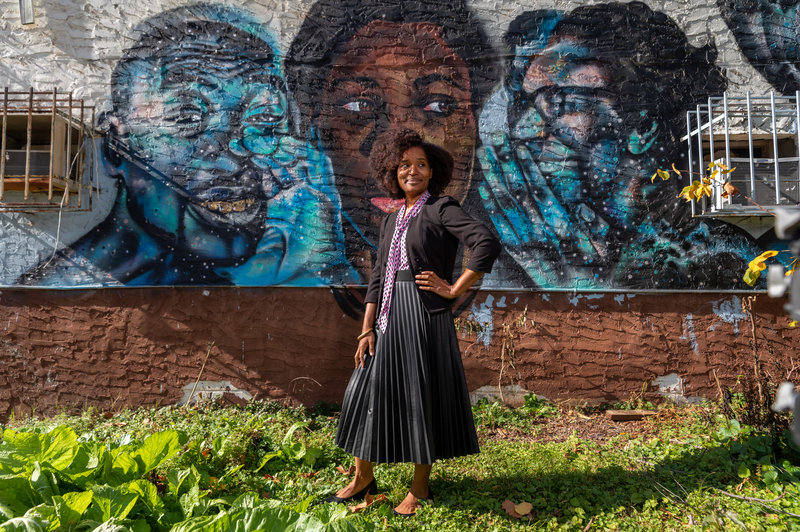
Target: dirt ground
(595, 427)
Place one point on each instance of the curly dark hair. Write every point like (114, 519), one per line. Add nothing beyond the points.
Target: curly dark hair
(389, 149)
(330, 24)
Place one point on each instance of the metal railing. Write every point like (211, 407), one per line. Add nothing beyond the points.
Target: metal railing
(758, 135)
(47, 151)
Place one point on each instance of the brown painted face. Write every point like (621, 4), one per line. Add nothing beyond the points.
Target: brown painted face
(394, 75)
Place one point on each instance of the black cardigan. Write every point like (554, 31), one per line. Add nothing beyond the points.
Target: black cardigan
(432, 244)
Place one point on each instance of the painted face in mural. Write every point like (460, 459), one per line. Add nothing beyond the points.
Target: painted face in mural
(394, 74)
(567, 116)
(196, 141)
(593, 105)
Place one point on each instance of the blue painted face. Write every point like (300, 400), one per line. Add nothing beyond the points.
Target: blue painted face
(568, 117)
(203, 123)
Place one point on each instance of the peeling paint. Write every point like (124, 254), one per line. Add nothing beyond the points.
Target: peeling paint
(483, 315)
(502, 302)
(729, 311)
(574, 300)
(672, 387)
(688, 333)
(669, 384)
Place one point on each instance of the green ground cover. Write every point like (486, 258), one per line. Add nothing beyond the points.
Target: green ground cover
(260, 466)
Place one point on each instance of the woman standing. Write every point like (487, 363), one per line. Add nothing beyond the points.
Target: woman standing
(407, 400)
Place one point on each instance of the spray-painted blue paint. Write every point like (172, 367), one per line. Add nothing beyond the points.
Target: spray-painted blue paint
(730, 311)
(689, 334)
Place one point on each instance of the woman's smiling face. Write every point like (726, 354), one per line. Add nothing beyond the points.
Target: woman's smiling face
(413, 173)
(394, 75)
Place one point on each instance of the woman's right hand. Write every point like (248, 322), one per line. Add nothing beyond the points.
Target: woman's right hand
(366, 346)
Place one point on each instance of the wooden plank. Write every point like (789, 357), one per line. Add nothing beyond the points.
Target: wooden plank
(35, 184)
(629, 415)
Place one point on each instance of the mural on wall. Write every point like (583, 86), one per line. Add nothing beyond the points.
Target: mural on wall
(238, 164)
(592, 104)
(357, 68)
(767, 33)
(214, 185)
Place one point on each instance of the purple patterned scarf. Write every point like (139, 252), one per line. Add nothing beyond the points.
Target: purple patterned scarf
(400, 228)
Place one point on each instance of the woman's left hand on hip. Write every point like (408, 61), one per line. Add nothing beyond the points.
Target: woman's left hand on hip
(431, 282)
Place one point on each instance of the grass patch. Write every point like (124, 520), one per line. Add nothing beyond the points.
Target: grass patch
(685, 467)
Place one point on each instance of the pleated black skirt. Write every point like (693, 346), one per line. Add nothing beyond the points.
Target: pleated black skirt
(409, 403)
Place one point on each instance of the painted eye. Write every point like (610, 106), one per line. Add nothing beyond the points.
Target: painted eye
(436, 107)
(187, 114)
(359, 106)
(440, 105)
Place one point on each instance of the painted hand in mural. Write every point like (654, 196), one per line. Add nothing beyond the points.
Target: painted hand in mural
(538, 230)
(303, 242)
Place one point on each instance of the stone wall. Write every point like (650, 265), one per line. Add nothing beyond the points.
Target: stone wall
(118, 347)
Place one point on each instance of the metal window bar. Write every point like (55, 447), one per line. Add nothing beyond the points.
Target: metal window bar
(689, 149)
(33, 186)
(770, 178)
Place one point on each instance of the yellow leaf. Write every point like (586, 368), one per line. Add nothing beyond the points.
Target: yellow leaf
(523, 508)
(767, 254)
(663, 174)
(707, 181)
(751, 276)
(676, 170)
(728, 171)
(758, 263)
(711, 165)
(686, 193)
(793, 323)
(702, 190)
